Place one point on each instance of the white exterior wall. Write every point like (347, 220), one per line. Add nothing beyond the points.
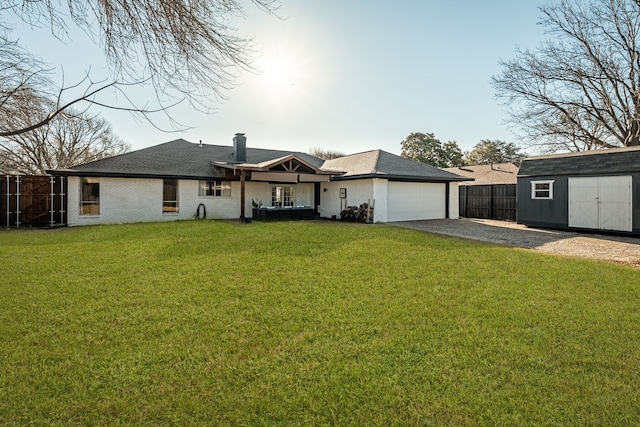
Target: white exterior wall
(454, 200)
(394, 201)
(381, 196)
(358, 192)
(124, 200)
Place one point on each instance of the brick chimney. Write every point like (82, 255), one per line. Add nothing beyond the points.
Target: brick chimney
(239, 148)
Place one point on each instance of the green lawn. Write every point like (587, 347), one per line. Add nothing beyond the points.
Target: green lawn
(309, 323)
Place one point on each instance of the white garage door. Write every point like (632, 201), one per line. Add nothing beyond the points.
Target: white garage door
(409, 201)
(602, 203)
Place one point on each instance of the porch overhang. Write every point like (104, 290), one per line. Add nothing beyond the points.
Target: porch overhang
(293, 178)
(289, 169)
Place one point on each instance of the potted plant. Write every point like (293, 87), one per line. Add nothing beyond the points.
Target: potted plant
(256, 209)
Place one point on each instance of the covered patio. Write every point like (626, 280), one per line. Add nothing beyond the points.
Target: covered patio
(294, 188)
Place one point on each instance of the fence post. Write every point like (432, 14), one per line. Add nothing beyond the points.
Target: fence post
(17, 201)
(8, 201)
(62, 203)
(491, 213)
(466, 201)
(51, 203)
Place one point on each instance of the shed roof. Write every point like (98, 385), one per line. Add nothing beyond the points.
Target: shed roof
(380, 164)
(500, 173)
(597, 162)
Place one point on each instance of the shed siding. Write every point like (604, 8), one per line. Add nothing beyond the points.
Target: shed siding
(555, 213)
(543, 213)
(635, 203)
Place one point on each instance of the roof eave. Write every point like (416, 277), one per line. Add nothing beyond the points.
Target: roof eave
(406, 178)
(129, 175)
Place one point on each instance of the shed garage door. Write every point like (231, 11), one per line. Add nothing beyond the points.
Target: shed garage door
(602, 203)
(409, 201)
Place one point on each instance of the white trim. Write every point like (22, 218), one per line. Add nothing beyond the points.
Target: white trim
(533, 189)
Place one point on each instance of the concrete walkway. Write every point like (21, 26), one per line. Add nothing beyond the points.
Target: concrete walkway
(613, 248)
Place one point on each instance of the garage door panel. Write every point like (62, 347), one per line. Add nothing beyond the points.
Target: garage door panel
(600, 203)
(412, 201)
(583, 202)
(615, 203)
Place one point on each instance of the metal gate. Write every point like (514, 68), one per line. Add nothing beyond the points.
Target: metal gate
(33, 201)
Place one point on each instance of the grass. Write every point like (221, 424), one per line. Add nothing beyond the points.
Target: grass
(309, 323)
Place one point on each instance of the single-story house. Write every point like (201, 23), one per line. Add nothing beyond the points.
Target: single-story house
(403, 189)
(180, 180)
(591, 190)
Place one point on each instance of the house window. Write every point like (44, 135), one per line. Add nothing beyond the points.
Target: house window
(90, 196)
(213, 188)
(542, 189)
(170, 196)
(282, 196)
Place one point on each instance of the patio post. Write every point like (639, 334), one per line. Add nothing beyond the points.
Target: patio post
(242, 195)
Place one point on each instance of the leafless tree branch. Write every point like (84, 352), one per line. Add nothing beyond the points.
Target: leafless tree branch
(185, 49)
(580, 90)
(62, 142)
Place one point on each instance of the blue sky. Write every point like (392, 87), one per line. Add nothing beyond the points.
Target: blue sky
(347, 75)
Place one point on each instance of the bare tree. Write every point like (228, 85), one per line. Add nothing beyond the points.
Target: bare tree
(186, 49)
(580, 90)
(64, 141)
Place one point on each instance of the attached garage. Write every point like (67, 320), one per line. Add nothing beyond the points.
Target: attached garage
(595, 190)
(402, 189)
(409, 200)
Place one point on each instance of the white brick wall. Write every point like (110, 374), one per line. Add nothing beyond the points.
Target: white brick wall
(124, 200)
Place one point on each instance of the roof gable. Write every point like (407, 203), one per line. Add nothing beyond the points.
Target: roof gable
(291, 163)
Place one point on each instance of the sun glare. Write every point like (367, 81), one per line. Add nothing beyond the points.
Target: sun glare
(285, 81)
(280, 73)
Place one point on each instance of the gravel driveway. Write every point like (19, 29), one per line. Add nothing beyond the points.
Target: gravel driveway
(612, 248)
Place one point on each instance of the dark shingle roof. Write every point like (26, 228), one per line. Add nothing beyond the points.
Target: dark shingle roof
(380, 164)
(179, 158)
(619, 160)
(183, 159)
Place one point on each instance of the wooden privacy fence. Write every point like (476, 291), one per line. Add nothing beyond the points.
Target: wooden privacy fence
(496, 201)
(33, 201)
